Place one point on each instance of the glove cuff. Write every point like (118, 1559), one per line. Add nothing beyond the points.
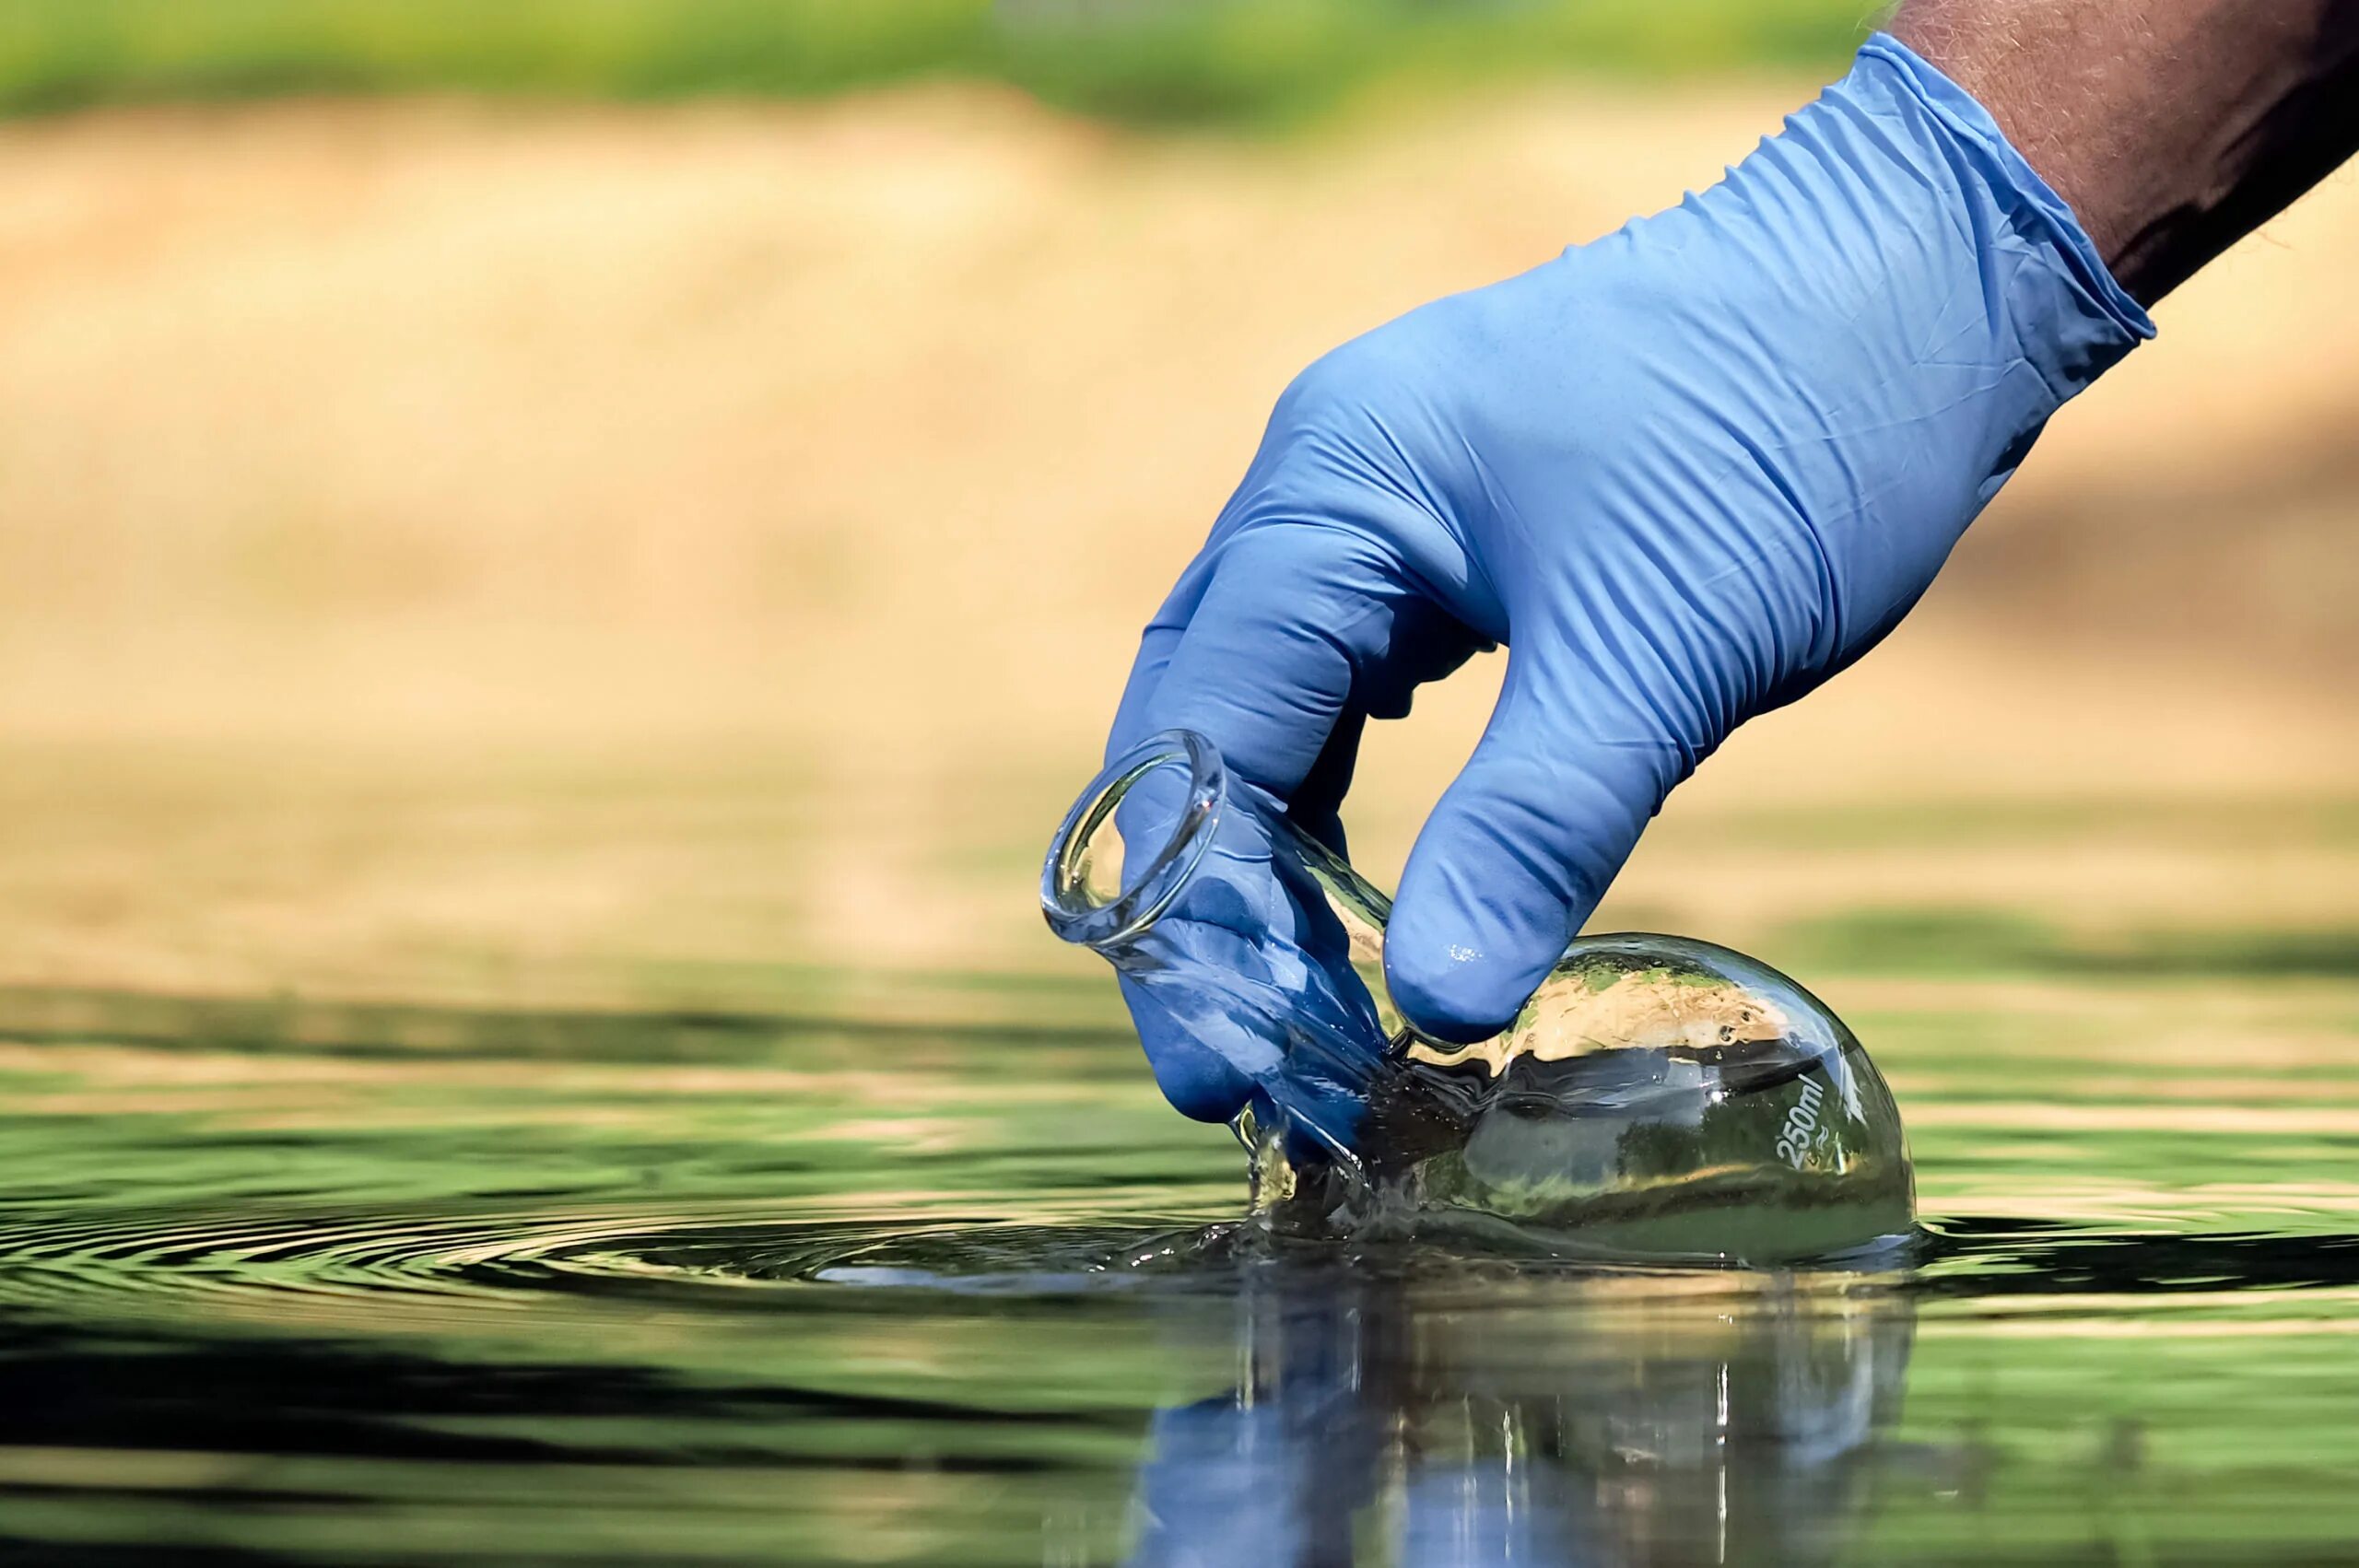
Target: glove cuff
(2072, 337)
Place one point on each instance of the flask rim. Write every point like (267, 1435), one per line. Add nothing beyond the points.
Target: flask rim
(1077, 915)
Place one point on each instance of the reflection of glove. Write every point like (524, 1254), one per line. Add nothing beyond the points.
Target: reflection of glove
(1688, 472)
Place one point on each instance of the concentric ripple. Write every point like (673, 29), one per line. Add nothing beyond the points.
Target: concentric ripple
(388, 1267)
(717, 1262)
(385, 1266)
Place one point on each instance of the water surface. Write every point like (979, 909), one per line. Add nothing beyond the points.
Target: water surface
(298, 1282)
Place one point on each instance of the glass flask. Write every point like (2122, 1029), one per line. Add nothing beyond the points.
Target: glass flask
(1657, 1098)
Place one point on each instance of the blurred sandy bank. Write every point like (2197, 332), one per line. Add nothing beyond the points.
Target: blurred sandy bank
(852, 443)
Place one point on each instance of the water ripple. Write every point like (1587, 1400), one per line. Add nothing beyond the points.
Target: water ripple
(378, 1264)
(703, 1261)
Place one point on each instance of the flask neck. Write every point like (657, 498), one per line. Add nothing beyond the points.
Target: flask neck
(1256, 941)
(1134, 840)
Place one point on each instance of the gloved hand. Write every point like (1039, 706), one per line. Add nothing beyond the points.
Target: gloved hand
(1685, 473)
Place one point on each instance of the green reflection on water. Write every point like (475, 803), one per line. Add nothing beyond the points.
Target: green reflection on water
(795, 1284)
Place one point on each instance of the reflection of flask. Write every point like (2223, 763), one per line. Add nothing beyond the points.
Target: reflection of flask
(1656, 1097)
(1577, 1419)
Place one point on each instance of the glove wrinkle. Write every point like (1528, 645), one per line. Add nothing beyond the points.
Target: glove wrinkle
(1686, 472)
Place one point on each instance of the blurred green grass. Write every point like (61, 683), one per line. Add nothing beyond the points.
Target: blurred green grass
(1244, 62)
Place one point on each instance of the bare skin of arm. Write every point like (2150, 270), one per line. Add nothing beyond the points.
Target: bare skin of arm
(2173, 127)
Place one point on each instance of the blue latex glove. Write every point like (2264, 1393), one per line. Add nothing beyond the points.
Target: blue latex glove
(1686, 472)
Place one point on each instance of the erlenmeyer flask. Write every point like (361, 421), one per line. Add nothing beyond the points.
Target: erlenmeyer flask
(1656, 1098)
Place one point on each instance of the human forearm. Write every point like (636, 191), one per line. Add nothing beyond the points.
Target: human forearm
(2173, 127)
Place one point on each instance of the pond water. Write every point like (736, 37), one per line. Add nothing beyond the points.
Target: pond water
(382, 1285)
(916, 1269)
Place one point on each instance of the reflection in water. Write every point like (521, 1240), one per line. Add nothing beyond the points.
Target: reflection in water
(1368, 1425)
(291, 1284)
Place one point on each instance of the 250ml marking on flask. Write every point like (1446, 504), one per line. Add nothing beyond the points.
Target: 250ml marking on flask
(1793, 1146)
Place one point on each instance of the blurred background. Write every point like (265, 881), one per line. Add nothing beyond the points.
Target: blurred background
(598, 501)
